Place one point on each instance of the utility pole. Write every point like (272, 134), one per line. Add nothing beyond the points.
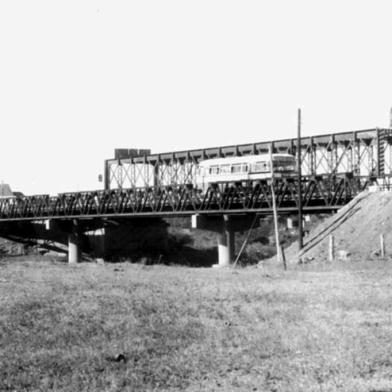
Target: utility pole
(279, 253)
(299, 164)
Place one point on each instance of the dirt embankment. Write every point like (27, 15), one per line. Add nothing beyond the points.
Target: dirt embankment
(356, 229)
(11, 248)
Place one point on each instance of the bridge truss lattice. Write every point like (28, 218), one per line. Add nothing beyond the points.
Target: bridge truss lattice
(363, 153)
(318, 193)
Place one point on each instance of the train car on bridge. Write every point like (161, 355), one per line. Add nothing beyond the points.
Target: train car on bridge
(244, 168)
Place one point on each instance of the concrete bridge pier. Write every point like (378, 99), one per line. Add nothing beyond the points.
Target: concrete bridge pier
(74, 244)
(226, 246)
(225, 226)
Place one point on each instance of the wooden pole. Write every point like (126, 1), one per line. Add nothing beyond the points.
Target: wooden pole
(382, 245)
(283, 256)
(278, 248)
(331, 248)
(299, 164)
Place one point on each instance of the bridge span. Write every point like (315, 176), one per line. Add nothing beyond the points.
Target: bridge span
(363, 153)
(318, 193)
(335, 167)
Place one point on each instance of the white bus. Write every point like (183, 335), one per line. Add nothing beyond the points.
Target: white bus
(244, 168)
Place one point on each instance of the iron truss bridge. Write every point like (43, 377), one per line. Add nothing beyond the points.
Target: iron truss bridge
(319, 193)
(363, 153)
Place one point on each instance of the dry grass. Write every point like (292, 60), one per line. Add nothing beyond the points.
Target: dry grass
(129, 327)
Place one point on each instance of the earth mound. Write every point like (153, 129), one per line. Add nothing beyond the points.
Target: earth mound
(356, 229)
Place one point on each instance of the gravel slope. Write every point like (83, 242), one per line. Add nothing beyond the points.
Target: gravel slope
(356, 228)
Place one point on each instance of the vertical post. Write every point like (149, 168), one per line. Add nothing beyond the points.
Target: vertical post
(230, 238)
(382, 246)
(278, 247)
(226, 243)
(156, 173)
(312, 157)
(299, 163)
(106, 175)
(283, 256)
(289, 223)
(357, 155)
(334, 155)
(331, 248)
(380, 153)
(73, 244)
(223, 251)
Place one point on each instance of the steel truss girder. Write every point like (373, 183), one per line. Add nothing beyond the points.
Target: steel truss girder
(363, 153)
(317, 191)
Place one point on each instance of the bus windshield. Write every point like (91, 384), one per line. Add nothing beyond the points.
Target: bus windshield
(284, 164)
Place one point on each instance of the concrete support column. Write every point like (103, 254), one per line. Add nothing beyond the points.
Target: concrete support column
(73, 248)
(74, 245)
(226, 243)
(290, 223)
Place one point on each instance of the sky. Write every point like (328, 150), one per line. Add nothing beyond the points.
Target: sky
(79, 78)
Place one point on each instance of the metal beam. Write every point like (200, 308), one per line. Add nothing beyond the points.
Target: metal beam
(326, 192)
(321, 154)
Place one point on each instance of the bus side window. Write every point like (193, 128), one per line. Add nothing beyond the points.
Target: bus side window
(224, 169)
(236, 168)
(261, 167)
(214, 170)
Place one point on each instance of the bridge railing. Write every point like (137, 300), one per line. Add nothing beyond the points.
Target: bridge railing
(316, 192)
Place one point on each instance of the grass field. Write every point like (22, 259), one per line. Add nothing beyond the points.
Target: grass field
(125, 327)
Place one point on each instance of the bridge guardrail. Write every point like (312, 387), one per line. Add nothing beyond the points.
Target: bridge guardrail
(316, 191)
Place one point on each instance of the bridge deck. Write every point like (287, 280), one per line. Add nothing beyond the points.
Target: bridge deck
(319, 193)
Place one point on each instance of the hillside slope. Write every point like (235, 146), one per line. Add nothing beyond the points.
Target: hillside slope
(356, 229)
